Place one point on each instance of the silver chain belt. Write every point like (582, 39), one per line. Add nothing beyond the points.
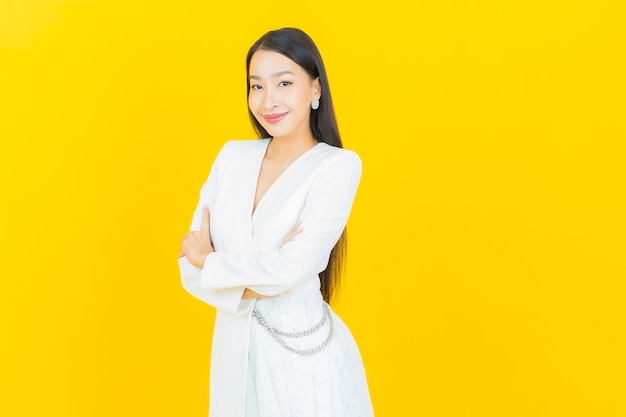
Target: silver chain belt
(278, 334)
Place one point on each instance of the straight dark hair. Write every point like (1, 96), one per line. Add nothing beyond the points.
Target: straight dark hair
(300, 48)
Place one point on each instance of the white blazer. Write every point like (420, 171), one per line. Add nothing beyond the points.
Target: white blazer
(317, 189)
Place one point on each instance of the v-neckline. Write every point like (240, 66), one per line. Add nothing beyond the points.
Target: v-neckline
(277, 179)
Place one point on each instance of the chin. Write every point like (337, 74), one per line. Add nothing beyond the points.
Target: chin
(275, 133)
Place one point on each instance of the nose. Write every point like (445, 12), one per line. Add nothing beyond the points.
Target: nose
(270, 99)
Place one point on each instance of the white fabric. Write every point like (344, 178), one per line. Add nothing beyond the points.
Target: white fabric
(251, 374)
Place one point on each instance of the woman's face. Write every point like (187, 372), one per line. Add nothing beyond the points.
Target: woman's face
(280, 94)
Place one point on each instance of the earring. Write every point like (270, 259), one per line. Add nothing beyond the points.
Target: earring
(315, 104)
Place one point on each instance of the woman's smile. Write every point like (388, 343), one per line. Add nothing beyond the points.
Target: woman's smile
(274, 117)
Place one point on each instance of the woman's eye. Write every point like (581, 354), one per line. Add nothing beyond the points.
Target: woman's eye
(255, 87)
(284, 83)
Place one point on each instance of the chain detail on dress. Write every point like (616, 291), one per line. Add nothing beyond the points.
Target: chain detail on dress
(276, 334)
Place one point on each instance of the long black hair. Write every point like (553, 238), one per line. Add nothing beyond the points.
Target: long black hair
(300, 48)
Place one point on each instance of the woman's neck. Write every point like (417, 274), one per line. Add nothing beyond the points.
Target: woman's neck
(289, 148)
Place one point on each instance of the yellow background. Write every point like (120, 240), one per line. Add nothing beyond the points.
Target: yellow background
(487, 264)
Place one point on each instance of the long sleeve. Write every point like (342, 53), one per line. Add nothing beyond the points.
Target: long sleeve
(191, 276)
(227, 299)
(324, 216)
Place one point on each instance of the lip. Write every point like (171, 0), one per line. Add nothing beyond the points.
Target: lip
(274, 118)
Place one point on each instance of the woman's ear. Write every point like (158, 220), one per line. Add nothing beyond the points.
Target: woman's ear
(317, 88)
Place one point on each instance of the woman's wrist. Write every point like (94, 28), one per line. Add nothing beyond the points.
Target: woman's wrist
(200, 260)
(248, 293)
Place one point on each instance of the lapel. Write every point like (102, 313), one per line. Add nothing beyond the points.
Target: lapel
(276, 185)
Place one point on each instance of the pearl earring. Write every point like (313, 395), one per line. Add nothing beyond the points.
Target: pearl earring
(315, 104)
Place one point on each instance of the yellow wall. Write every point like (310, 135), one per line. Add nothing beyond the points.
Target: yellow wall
(487, 269)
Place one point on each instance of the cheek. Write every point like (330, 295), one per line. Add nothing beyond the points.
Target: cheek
(253, 102)
(302, 96)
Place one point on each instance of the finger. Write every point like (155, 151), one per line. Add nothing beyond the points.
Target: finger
(296, 230)
(185, 237)
(206, 220)
(181, 252)
(292, 234)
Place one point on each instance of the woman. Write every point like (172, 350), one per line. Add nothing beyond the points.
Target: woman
(267, 236)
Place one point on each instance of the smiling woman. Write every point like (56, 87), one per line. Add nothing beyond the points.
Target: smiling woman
(281, 91)
(267, 243)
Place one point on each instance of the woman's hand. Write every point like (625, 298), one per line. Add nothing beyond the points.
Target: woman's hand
(292, 233)
(248, 293)
(295, 231)
(196, 246)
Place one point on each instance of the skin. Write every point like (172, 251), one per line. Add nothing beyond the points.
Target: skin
(280, 98)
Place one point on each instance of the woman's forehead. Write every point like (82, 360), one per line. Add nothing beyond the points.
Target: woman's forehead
(270, 64)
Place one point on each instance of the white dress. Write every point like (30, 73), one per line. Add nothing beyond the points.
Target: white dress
(255, 373)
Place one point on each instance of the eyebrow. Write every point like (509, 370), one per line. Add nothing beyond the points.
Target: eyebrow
(276, 74)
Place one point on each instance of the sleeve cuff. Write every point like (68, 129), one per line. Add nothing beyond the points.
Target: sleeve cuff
(228, 300)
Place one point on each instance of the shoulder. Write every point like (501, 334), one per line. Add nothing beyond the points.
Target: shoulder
(338, 163)
(334, 155)
(242, 147)
(239, 152)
